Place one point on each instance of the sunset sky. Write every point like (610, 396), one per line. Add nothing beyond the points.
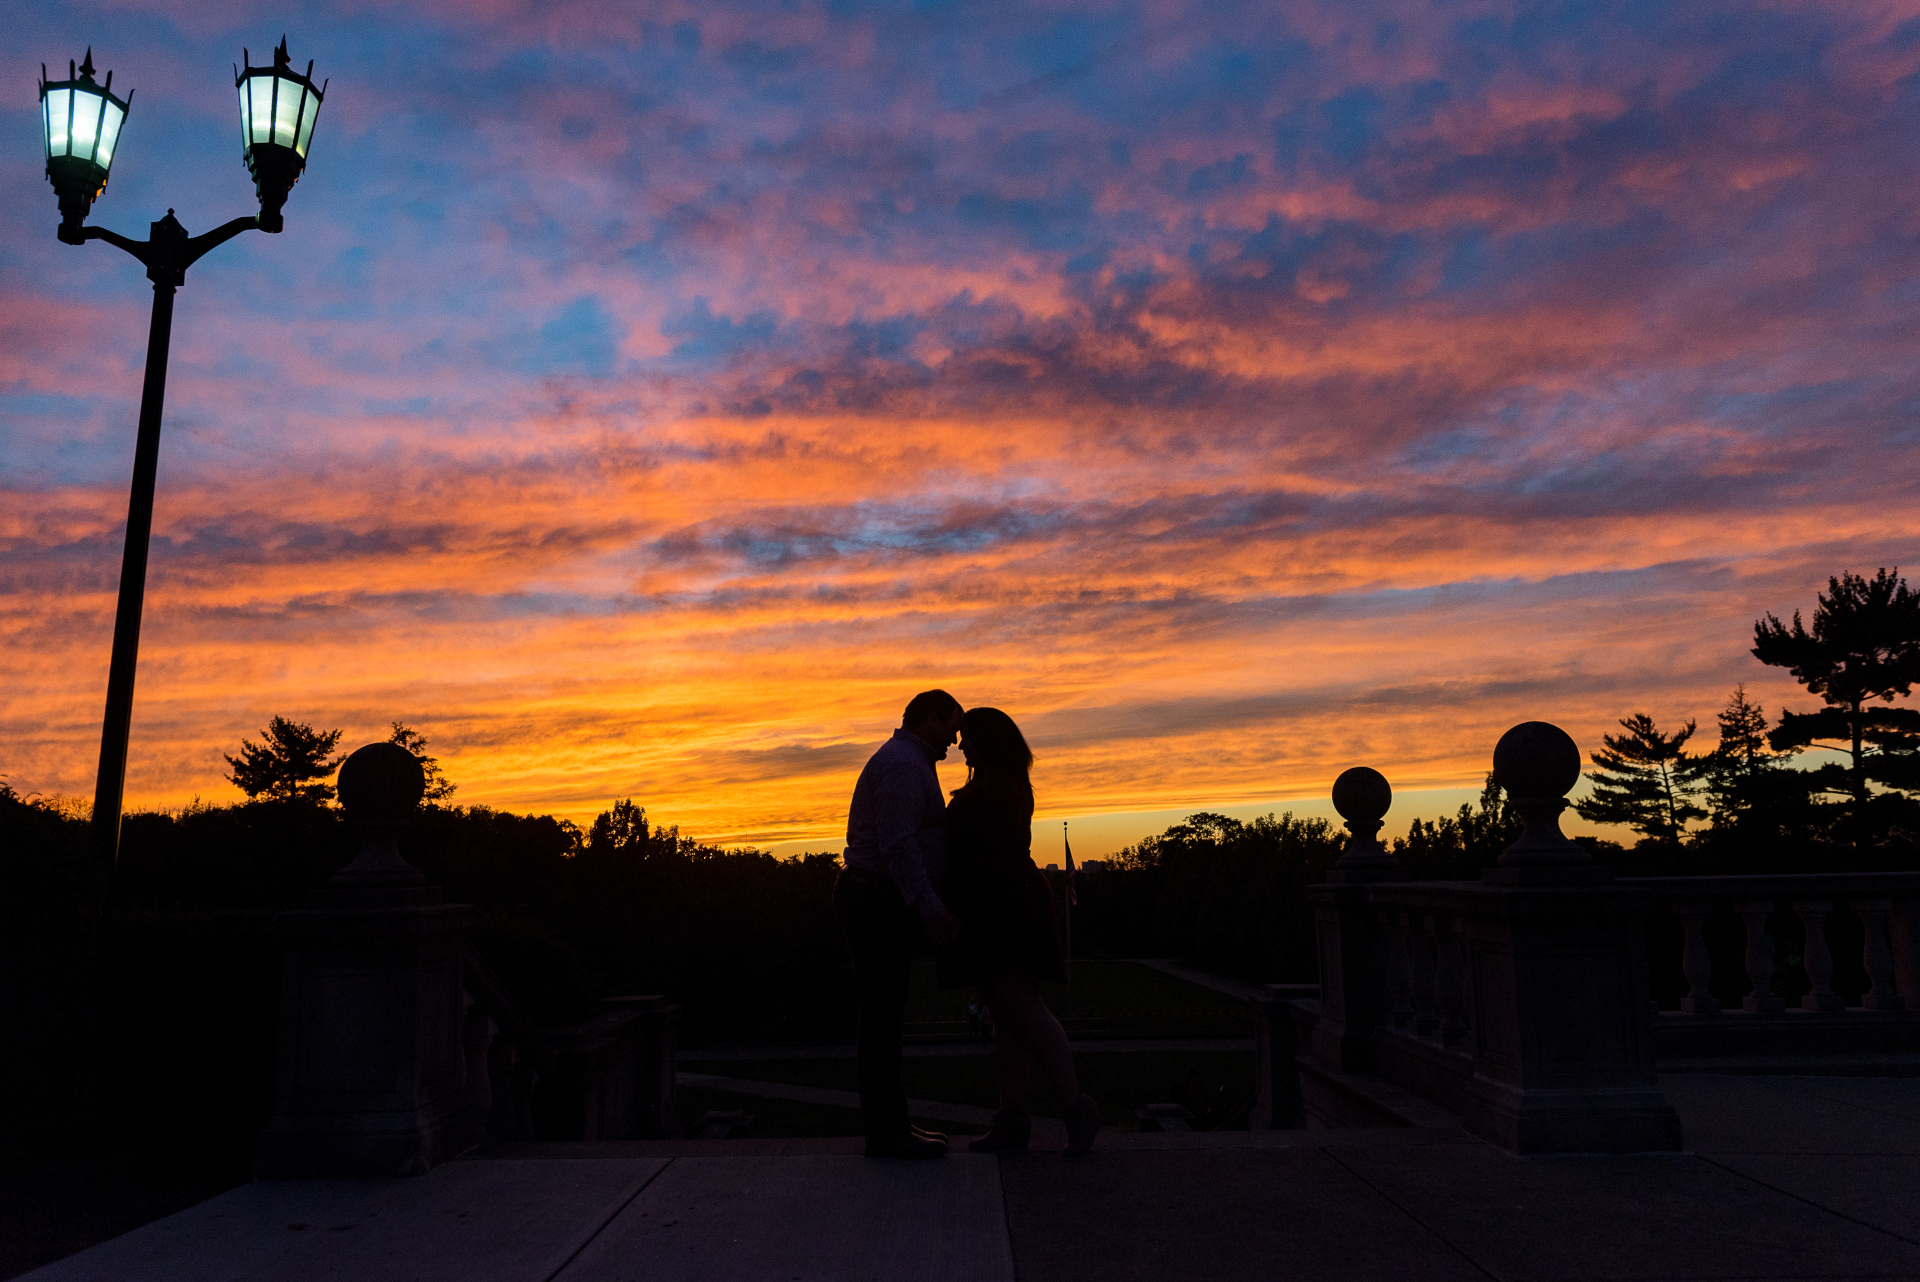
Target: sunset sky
(647, 399)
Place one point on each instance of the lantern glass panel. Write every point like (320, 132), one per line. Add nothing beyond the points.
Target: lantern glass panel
(109, 134)
(59, 108)
(260, 109)
(306, 124)
(286, 113)
(86, 123)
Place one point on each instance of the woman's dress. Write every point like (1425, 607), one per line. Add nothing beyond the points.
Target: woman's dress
(1003, 901)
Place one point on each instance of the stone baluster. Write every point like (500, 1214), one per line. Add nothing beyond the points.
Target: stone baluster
(1695, 961)
(511, 1082)
(1819, 958)
(1759, 955)
(477, 1034)
(1399, 982)
(1420, 957)
(1878, 959)
(1449, 978)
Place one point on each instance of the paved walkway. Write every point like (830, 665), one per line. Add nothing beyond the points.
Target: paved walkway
(1787, 1178)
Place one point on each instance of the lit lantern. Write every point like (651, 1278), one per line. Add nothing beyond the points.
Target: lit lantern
(277, 110)
(81, 121)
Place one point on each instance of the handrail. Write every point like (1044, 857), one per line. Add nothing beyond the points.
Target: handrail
(493, 998)
(1818, 885)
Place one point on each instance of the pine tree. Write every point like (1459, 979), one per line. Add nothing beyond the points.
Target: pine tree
(1864, 645)
(1645, 780)
(439, 787)
(284, 766)
(1743, 761)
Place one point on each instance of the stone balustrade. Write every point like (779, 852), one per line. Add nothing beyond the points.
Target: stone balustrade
(1765, 1029)
(1522, 1003)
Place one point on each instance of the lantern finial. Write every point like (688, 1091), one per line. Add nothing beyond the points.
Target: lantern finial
(281, 58)
(86, 66)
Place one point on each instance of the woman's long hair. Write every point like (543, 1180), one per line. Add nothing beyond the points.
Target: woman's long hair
(995, 749)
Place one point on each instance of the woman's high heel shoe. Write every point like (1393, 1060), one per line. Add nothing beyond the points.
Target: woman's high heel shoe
(1083, 1123)
(1011, 1128)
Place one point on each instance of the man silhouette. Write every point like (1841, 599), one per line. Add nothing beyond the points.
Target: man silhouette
(885, 899)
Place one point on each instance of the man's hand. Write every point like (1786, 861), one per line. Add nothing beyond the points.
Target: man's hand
(941, 927)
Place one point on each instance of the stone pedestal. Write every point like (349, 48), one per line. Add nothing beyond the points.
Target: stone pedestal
(1276, 1105)
(1562, 1029)
(376, 1042)
(1348, 940)
(373, 1046)
(1352, 950)
(622, 1063)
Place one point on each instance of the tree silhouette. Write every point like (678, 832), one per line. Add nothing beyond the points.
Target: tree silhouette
(1645, 780)
(1864, 645)
(1743, 762)
(284, 766)
(439, 787)
(1455, 847)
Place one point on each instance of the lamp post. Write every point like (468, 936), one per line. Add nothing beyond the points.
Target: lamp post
(81, 120)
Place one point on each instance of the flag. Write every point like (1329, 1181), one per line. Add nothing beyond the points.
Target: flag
(1073, 895)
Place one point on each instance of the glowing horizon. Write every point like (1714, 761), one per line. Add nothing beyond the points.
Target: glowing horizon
(647, 402)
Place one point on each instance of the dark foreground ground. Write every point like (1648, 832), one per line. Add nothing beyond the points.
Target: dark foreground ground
(1784, 1178)
(1192, 1045)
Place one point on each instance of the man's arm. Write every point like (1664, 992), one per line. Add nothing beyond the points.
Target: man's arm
(901, 802)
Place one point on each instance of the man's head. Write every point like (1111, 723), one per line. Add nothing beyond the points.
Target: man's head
(933, 715)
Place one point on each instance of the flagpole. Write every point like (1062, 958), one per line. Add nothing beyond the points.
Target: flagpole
(1068, 846)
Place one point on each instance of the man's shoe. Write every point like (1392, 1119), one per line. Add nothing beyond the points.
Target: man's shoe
(1011, 1129)
(908, 1145)
(926, 1134)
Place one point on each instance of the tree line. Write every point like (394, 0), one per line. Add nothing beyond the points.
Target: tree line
(1760, 803)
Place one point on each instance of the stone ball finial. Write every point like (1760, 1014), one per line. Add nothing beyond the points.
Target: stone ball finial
(381, 784)
(1536, 759)
(1362, 795)
(1537, 763)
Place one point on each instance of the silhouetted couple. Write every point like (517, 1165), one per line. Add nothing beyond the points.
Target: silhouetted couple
(961, 874)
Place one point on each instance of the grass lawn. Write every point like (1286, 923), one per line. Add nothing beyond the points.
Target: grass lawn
(1108, 997)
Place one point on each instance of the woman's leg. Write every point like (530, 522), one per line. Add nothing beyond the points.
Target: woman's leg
(1018, 1011)
(1012, 1064)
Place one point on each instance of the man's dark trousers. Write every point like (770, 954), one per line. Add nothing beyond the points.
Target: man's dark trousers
(881, 932)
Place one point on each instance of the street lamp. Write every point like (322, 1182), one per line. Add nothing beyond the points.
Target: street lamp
(81, 121)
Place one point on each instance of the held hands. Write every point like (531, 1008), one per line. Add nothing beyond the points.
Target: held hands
(941, 927)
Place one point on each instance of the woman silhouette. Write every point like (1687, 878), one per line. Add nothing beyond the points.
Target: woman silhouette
(1009, 941)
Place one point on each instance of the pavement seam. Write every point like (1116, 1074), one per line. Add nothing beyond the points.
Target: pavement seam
(1006, 1217)
(1807, 1201)
(1388, 1199)
(605, 1220)
(1817, 1093)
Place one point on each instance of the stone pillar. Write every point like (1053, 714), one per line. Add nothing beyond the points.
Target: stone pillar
(1903, 935)
(374, 1033)
(1354, 994)
(1562, 1036)
(623, 1062)
(655, 1025)
(1276, 1105)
